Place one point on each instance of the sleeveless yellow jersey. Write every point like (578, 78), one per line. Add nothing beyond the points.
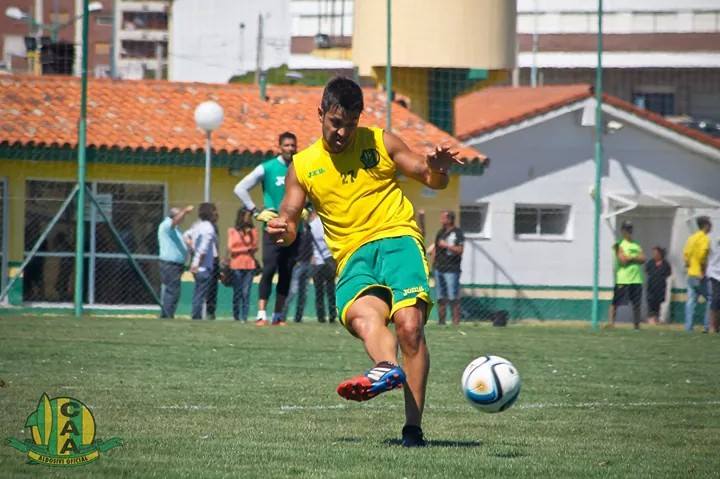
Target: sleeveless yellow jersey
(356, 193)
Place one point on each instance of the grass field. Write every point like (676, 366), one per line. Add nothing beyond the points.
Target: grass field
(220, 399)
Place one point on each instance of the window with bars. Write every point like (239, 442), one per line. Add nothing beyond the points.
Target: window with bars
(473, 220)
(543, 222)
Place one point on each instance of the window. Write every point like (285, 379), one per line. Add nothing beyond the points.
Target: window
(473, 220)
(545, 222)
(102, 48)
(661, 102)
(59, 18)
(104, 20)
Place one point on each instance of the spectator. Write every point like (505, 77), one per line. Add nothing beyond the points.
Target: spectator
(203, 261)
(628, 275)
(173, 254)
(190, 236)
(276, 258)
(300, 275)
(658, 271)
(323, 270)
(447, 252)
(695, 254)
(241, 248)
(713, 275)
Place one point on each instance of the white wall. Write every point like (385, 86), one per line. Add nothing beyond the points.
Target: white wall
(552, 163)
(305, 15)
(640, 16)
(208, 45)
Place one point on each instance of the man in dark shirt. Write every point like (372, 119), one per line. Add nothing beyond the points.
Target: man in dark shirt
(448, 255)
(657, 270)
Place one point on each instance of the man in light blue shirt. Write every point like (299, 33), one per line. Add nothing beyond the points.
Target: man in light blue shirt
(173, 253)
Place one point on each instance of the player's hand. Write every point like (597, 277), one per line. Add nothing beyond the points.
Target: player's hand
(277, 229)
(194, 269)
(442, 159)
(189, 208)
(266, 215)
(305, 214)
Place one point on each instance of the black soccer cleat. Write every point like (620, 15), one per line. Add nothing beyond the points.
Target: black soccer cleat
(412, 436)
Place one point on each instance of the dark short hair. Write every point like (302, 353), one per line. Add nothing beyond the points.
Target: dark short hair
(703, 221)
(660, 250)
(286, 134)
(450, 214)
(343, 93)
(626, 226)
(206, 210)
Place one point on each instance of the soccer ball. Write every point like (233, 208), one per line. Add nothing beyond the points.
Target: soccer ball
(491, 383)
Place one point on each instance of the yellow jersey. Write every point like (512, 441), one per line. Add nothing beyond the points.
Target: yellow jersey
(696, 252)
(356, 193)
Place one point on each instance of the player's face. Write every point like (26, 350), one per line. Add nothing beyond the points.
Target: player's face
(288, 147)
(338, 128)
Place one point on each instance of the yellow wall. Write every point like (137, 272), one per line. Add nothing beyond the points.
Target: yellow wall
(184, 185)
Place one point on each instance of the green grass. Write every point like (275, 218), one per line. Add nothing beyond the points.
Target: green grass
(219, 399)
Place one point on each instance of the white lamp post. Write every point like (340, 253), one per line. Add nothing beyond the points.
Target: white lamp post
(208, 117)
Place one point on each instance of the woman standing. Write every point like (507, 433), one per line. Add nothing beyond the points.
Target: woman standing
(658, 270)
(242, 244)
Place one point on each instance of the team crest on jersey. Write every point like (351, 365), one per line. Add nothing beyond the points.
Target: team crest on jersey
(63, 434)
(370, 158)
(279, 181)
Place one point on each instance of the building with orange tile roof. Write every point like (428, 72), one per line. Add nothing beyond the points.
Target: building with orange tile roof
(532, 251)
(145, 154)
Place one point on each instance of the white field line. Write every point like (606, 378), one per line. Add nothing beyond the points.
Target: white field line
(582, 405)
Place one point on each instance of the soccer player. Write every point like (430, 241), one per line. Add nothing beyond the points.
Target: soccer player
(276, 257)
(349, 175)
(695, 253)
(629, 258)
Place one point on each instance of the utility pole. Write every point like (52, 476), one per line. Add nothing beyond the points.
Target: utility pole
(534, 69)
(595, 316)
(259, 50)
(113, 47)
(158, 60)
(342, 18)
(81, 170)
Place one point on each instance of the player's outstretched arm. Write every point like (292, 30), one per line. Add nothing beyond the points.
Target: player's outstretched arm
(431, 170)
(284, 227)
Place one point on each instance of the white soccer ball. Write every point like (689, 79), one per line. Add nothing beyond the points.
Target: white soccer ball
(491, 383)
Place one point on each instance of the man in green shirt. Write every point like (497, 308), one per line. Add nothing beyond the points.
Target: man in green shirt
(629, 259)
(276, 258)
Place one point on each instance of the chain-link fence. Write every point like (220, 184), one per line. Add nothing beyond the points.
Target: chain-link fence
(518, 263)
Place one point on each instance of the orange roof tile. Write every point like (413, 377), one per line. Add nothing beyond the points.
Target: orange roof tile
(159, 114)
(496, 107)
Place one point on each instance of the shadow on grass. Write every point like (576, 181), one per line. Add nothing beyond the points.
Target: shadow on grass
(438, 443)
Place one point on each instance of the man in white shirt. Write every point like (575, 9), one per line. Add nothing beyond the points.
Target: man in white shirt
(323, 271)
(203, 261)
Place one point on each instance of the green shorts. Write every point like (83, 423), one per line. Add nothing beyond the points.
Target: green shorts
(395, 266)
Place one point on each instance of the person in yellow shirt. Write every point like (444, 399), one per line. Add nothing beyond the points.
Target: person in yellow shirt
(350, 176)
(695, 253)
